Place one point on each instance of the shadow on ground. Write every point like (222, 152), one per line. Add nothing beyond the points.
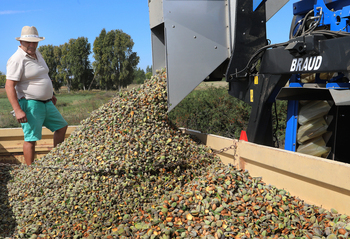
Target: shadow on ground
(7, 218)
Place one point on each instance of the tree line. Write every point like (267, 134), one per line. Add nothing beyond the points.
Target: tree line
(114, 67)
(2, 79)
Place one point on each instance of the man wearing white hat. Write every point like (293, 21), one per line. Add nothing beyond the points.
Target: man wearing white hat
(30, 92)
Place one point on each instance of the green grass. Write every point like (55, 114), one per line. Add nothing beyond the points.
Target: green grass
(74, 106)
(77, 106)
(6, 118)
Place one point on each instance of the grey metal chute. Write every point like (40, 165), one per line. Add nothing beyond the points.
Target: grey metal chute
(199, 36)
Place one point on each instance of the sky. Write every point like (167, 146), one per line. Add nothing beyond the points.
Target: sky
(61, 20)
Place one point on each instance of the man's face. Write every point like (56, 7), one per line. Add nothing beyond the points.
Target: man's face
(29, 47)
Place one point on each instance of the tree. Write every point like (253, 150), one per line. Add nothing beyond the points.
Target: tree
(52, 56)
(108, 57)
(2, 79)
(75, 68)
(64, 67)
(115, 62)
(100, 62)
(149, 72)
(149, 69)
(80, 65)
(139, 76)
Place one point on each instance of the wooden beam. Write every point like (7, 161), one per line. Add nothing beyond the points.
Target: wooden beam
(11, 144)
(315, 180)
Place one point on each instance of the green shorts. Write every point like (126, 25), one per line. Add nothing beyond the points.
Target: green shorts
(40, 114)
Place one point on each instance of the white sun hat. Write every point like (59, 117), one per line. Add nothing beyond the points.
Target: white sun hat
(29, 34)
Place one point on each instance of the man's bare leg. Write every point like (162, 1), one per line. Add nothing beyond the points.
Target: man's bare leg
(59, 135)
(29, 151)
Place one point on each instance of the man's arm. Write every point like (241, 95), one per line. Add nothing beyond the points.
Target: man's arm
(54, 99)
(12, 96)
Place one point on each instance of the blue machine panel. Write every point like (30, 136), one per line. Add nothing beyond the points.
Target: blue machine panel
(292, 118)
(334, 13)
(292, 126)
(256, 3)
(335, 16)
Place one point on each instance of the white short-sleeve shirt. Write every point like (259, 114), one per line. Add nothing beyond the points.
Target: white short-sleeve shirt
(33, 81)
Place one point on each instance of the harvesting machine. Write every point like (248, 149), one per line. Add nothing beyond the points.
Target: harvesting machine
(200, 40)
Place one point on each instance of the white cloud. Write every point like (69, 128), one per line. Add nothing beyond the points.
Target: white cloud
(10, 12)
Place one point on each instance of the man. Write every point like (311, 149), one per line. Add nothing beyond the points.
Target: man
(30, 92)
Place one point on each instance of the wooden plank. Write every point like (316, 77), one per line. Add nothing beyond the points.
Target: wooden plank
(11, 141)
(11, 144)
(11, 132)
(18, 158)
(315, 180)
(19, 150)
(12, 159)
(17, 145)
(18, 132)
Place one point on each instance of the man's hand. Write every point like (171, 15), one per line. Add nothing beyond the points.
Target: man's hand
(12, 96)
(54, 99)
(21, 116)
